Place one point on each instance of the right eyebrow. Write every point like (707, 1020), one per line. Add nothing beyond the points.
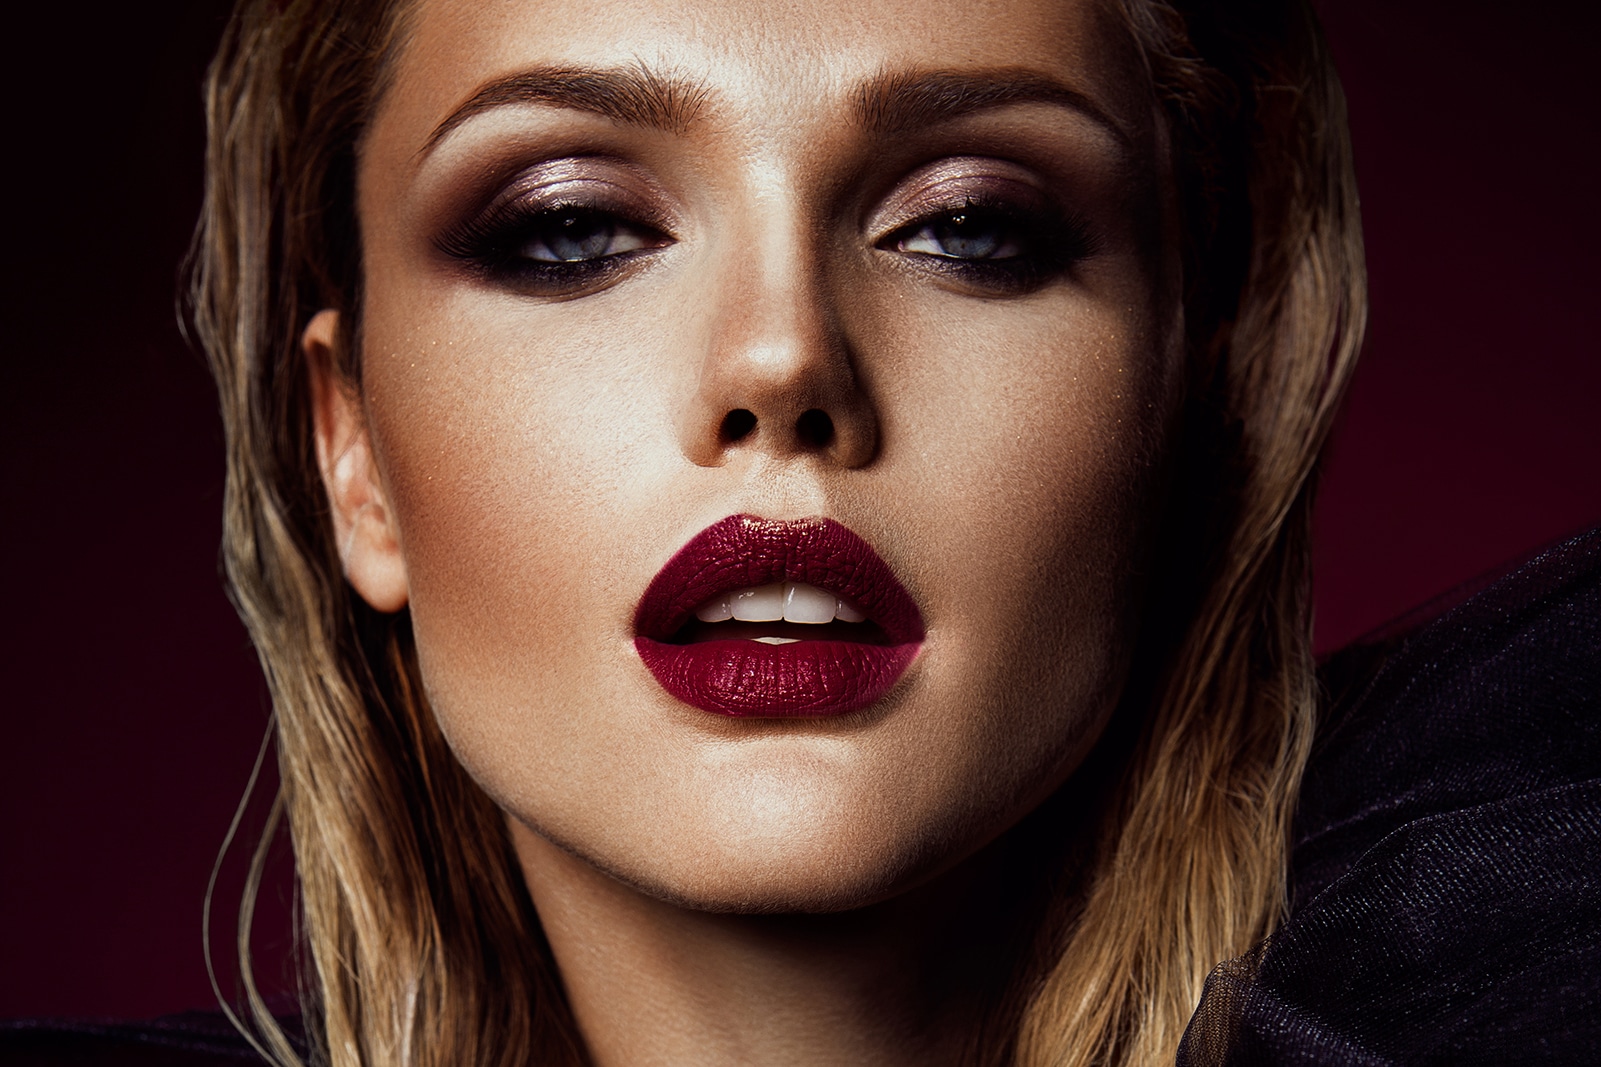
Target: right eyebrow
(635, 96)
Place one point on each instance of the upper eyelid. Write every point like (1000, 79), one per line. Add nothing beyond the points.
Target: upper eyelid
(903, 206)
(596, 179)
(478, 233)
(901, 228)
(518, 211)
(598, 195)
(618, 186)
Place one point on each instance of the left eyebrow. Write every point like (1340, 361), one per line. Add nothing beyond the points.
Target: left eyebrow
(896, 102)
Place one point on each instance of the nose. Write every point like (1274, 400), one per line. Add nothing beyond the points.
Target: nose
(777, 374)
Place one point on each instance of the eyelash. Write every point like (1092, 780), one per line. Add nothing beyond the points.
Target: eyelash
(1047, 244)
(497, 245)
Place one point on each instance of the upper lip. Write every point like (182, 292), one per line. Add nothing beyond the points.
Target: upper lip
(744, 550)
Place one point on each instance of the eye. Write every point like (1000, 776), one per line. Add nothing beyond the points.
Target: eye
(997, 249)
(552, 250)
(970, 233)
(579, 235)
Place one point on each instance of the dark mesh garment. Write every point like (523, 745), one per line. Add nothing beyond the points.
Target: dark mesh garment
(193, 1039)
(1447, 859)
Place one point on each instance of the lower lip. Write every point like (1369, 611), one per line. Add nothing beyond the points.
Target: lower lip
(749, 679)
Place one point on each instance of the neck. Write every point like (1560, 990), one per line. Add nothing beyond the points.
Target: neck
(920, 979)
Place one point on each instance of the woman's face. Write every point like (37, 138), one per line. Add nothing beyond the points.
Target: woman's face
(634, 267)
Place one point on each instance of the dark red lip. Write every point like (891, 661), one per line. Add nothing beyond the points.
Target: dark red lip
(748, 678)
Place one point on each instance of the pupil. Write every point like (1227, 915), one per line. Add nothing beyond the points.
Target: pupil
(965, 237)
(579, 237)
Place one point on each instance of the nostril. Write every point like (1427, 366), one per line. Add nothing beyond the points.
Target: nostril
(737, 424)
(815, 428)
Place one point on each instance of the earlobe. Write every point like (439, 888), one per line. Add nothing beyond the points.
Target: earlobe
(364, 526)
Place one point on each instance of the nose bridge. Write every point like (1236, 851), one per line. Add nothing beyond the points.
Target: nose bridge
(778, 373)
(774, 320)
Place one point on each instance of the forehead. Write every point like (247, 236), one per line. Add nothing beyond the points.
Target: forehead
(774, 62)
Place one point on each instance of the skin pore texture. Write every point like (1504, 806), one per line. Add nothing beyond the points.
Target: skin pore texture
(591, 232)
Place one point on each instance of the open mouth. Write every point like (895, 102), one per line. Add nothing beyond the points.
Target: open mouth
(755, 617)
(779, 613)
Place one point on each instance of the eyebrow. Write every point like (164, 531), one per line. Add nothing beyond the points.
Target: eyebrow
(889, 103)
(634, 96)
(896, 102)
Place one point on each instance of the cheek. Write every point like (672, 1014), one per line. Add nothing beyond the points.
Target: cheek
(510, 442)
(1025, 450)
(1037, 431)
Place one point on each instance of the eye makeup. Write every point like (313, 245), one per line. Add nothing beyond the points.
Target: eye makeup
(994, 245)
(983, 224)
(561, 228)
(572, 226)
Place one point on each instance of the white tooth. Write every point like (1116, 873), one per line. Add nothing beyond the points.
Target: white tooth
(807, 603)
(714, 610)
(776, 640)
(846, 613)
(762, 603)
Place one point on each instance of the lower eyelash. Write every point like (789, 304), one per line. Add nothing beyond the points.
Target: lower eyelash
(490, 246)
(1064, 242)
(542, 275)
(1020, 274)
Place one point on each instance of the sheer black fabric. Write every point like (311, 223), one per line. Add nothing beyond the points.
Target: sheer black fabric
(193, 1039)
(1447, 859)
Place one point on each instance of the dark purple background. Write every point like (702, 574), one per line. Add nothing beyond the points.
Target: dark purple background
(132, 703)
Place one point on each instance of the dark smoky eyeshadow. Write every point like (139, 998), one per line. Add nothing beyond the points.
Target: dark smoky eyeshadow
(1052, 243)
(491, 241)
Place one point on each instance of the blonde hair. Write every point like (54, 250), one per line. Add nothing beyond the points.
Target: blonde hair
(422, 945)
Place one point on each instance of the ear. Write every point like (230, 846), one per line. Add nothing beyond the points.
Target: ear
(364, 526)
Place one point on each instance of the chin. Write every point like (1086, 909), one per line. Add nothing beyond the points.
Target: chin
(810, 880)
(766, 847)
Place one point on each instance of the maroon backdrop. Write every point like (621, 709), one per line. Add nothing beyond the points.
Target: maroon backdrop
(133, 708)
